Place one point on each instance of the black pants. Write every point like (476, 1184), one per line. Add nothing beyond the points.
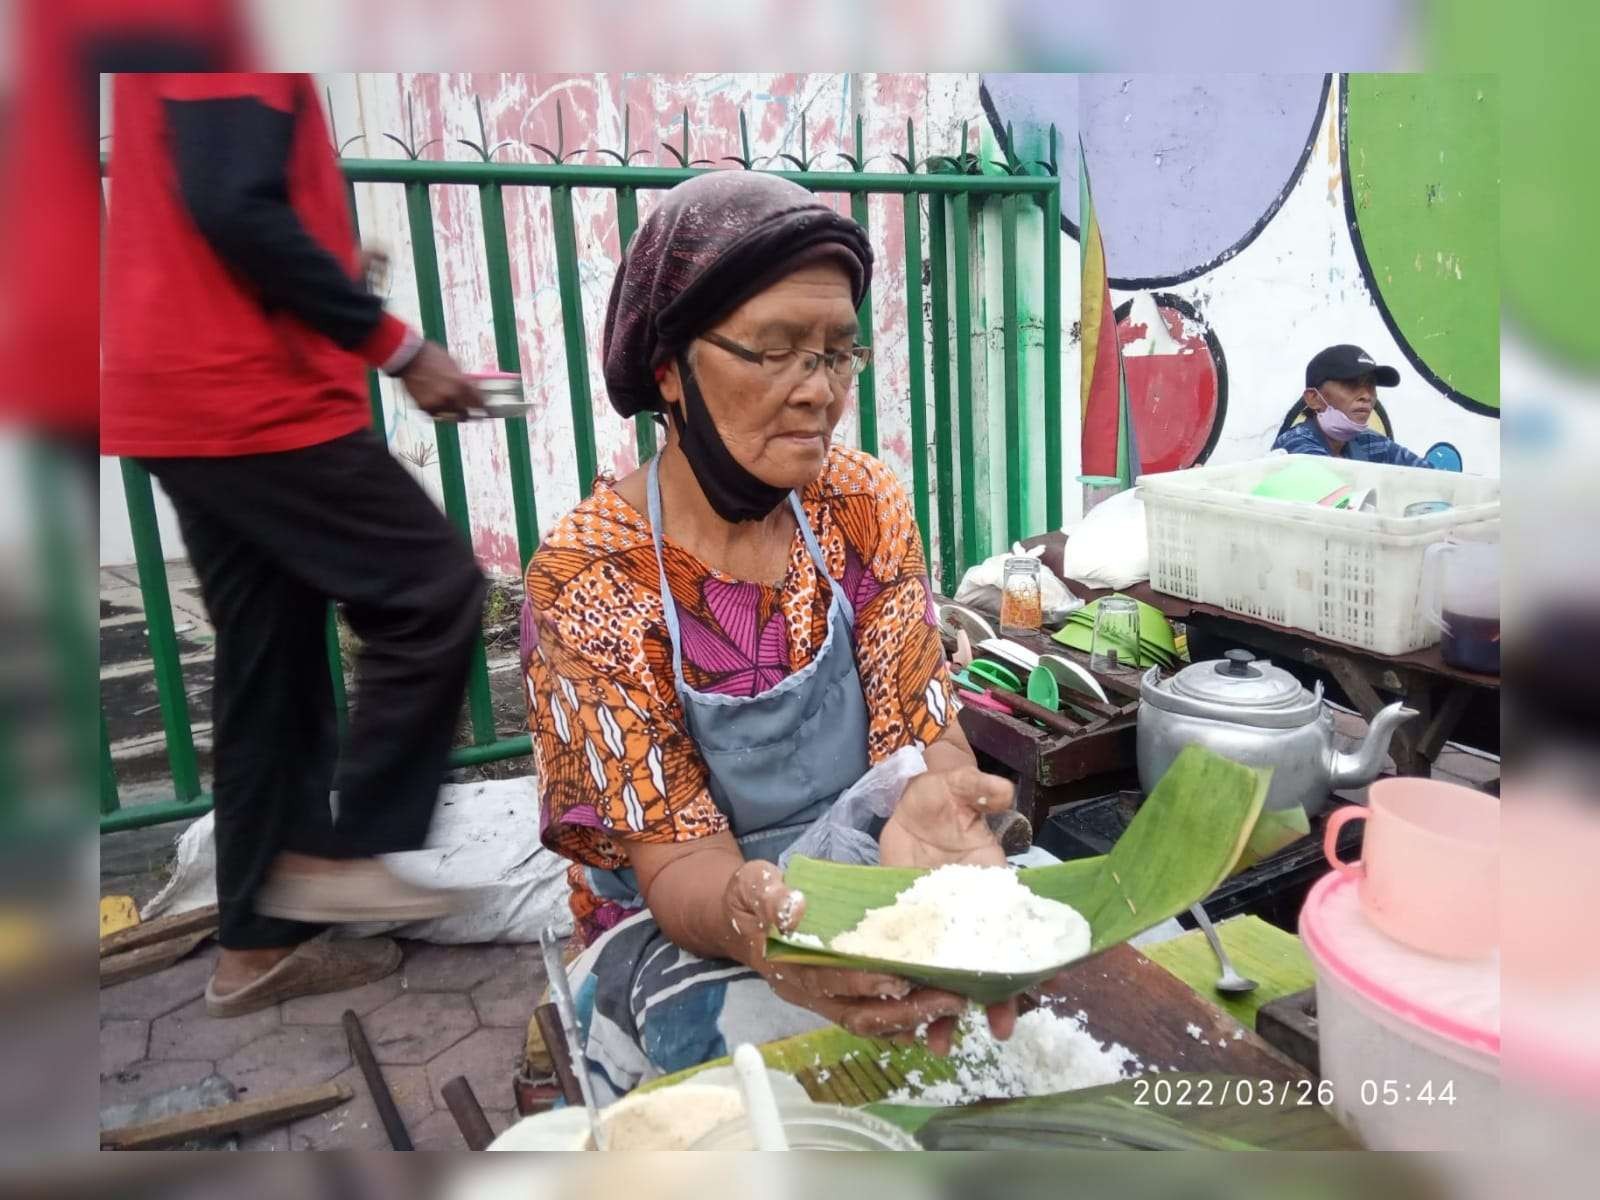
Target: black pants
(272, 538)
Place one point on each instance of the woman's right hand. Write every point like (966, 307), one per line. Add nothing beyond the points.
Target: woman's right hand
(866, 1003)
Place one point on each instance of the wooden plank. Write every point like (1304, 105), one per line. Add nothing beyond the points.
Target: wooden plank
(1274, 958)
(1023, 707)
(159, 930)
(1127, 998)
(147, 960)
(1113, 747)
(245, 1116)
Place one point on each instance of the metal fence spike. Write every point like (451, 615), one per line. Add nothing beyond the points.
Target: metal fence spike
(402, 146)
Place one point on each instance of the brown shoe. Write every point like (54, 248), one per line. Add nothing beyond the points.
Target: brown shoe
(358, 890)
(323, 964)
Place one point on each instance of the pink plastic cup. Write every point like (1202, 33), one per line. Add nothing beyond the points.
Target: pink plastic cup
(1430, 865)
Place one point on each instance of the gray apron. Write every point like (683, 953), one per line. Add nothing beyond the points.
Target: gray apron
(779, 759)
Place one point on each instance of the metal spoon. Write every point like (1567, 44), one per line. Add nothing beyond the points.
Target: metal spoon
(1230, 981)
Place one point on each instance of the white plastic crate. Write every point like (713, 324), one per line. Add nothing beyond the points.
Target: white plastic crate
(1349, 577)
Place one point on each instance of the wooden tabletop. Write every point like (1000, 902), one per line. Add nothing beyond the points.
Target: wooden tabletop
(1127, 998)
(1427, 660)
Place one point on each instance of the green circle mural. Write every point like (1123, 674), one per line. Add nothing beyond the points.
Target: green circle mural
(1421, 182)
(1548, 179)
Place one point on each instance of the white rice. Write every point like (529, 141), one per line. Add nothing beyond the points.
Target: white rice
(970, 918)
(1048, 1053)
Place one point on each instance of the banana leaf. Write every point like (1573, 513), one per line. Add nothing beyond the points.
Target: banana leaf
(1182, 843)
(1274, 830)
(837, 1067)
(1067, 1123)
(1125, 1116)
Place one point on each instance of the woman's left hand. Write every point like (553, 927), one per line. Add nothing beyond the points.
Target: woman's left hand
(941, 818)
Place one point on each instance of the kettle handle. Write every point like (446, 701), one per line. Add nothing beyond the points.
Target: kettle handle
(1337, 820)
(1432, 583)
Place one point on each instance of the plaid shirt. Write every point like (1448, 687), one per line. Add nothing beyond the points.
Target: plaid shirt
(1306, 438)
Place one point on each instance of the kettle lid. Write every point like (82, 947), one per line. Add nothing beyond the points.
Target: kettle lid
(1240, 680)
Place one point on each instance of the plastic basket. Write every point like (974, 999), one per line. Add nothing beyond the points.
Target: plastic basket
(1349, 577)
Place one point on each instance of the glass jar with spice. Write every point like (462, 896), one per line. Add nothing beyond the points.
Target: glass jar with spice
(1020, 599)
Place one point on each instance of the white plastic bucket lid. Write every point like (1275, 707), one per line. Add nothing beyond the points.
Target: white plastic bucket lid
(1456, 1001)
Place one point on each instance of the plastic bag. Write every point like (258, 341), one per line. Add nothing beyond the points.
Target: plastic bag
(980, 587)
(1110, 548)
(843, 833)
(484, 840)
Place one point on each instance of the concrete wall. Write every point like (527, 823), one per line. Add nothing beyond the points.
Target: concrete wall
(1237, 240)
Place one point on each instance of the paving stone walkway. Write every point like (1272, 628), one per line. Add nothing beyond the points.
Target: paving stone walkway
(448, 1011)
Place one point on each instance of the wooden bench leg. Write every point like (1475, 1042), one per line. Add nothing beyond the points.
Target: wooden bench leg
(1405, 748)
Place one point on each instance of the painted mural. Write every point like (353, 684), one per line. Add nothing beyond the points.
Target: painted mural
(1250, 220)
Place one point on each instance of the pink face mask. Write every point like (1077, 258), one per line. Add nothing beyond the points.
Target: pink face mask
(1336, 425)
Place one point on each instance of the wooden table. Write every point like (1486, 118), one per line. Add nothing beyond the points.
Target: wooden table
(1438, 691)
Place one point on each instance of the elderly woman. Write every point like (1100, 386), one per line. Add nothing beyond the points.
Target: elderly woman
(721, 643)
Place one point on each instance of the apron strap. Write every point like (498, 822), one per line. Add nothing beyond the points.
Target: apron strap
(670, 607)
(816, 557)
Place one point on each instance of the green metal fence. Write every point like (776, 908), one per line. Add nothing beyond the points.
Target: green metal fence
(952, 192)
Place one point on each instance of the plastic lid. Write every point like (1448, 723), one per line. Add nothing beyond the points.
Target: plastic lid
(1239, 680)
(1453, 1000)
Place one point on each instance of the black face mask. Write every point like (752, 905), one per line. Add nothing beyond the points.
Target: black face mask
(734, 493)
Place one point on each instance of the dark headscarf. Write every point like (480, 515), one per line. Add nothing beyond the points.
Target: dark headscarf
(712, 243)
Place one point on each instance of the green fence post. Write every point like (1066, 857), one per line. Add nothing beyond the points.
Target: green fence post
(419, 214)
(508, 355)
(108, 772)
(158, 621)
(572, 327)
(644, 425)
(914, 335)
(1053, 482)
(974, 541)
(1016, 494)
(374, 389)
(944, 448)
(68, 611)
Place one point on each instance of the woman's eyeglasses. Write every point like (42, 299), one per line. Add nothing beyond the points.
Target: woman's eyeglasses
(796, 364)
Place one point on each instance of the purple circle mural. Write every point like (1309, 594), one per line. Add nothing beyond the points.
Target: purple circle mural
(1187, 169)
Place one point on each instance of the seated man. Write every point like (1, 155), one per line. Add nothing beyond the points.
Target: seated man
(1341, 387)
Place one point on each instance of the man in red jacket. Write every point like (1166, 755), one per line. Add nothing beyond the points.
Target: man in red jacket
(235, 339)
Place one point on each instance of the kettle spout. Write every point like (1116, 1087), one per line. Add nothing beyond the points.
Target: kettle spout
(1362, 767)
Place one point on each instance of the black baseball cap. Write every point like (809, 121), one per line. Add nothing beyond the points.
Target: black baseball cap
(1347, 362)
